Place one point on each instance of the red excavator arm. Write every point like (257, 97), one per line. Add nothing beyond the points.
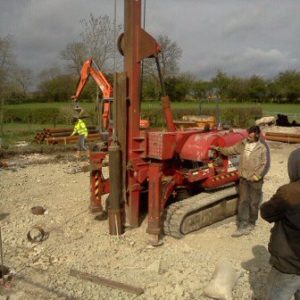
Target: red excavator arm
(89, 68)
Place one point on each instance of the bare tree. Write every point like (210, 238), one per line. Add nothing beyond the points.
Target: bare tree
(23, 78)
(96, 40)
(75, 53)
(6, 62)
(49, 73)
(6, 59)
(168, 57)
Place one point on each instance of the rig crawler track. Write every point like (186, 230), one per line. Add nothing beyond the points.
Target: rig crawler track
(201, 210)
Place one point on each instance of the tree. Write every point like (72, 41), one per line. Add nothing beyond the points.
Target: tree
(169, 57)
(96, 40)
(75, 53)
(178, 88)
(23, 78)
(50, 73)
(6, 61)
(6, 56)
(237, 89)
(200, 89)
(221, 81)
(58, 88)
(273, 91)
(151, 90)
(257, 88)
(288, 84)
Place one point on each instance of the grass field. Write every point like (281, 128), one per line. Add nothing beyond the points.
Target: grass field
(268, 108)
(19, 131)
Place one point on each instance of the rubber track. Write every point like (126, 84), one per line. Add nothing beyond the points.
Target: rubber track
(176, 212)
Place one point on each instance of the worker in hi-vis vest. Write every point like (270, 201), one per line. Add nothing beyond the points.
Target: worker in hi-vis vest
(81, 129)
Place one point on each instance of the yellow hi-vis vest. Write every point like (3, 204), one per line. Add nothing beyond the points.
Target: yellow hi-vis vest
(80, 128)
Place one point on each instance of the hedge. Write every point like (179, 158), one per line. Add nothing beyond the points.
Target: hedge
(237, 117)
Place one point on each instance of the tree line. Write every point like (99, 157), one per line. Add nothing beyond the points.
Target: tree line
(97, 40)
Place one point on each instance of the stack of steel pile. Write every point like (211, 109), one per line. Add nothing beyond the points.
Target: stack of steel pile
(63, 135)
(292, 138)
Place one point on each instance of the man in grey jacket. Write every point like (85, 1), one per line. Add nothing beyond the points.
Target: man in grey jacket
(283, 209)
(253, 166)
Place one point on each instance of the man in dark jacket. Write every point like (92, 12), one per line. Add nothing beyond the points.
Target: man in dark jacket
(284, 210)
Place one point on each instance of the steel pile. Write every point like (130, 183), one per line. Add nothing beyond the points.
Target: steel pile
(63, 136)
(291, 138)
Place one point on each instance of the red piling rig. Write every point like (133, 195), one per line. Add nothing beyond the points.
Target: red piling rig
(160, 162)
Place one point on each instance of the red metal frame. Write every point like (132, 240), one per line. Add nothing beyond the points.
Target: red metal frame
(157, 160)
(138, 45)
(98, 185)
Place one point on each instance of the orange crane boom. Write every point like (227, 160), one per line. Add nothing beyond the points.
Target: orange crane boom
(90, 68)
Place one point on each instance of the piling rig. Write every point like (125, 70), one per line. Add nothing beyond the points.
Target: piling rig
(181, 175)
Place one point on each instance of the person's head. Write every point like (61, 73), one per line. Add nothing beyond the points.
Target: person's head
(253, 134)
(74, 119)
(77, 108)
(294, 165)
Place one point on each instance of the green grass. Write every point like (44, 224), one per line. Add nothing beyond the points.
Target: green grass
(293, 109)
(20, 131)
(268, 108)
(272, 108)
(49, 105)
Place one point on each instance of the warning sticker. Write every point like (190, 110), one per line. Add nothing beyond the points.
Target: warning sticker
(233, 163)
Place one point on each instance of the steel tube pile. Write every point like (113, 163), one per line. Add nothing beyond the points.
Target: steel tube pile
(63, 135)
(292, 138)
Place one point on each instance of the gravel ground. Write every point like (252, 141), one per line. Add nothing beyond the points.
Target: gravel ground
(179, 269)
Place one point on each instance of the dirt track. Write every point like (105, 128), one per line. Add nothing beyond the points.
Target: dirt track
(179, 269)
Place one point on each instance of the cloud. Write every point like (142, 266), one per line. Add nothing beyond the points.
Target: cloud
(251, 61)
(260, 62)
(238, 37)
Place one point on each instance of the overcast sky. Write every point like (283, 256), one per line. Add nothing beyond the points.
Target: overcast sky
(239, 37)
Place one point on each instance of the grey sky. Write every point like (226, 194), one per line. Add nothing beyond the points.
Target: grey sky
(239, 37)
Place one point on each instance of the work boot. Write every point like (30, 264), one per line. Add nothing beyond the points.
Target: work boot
(241, 231)
(101, 216)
